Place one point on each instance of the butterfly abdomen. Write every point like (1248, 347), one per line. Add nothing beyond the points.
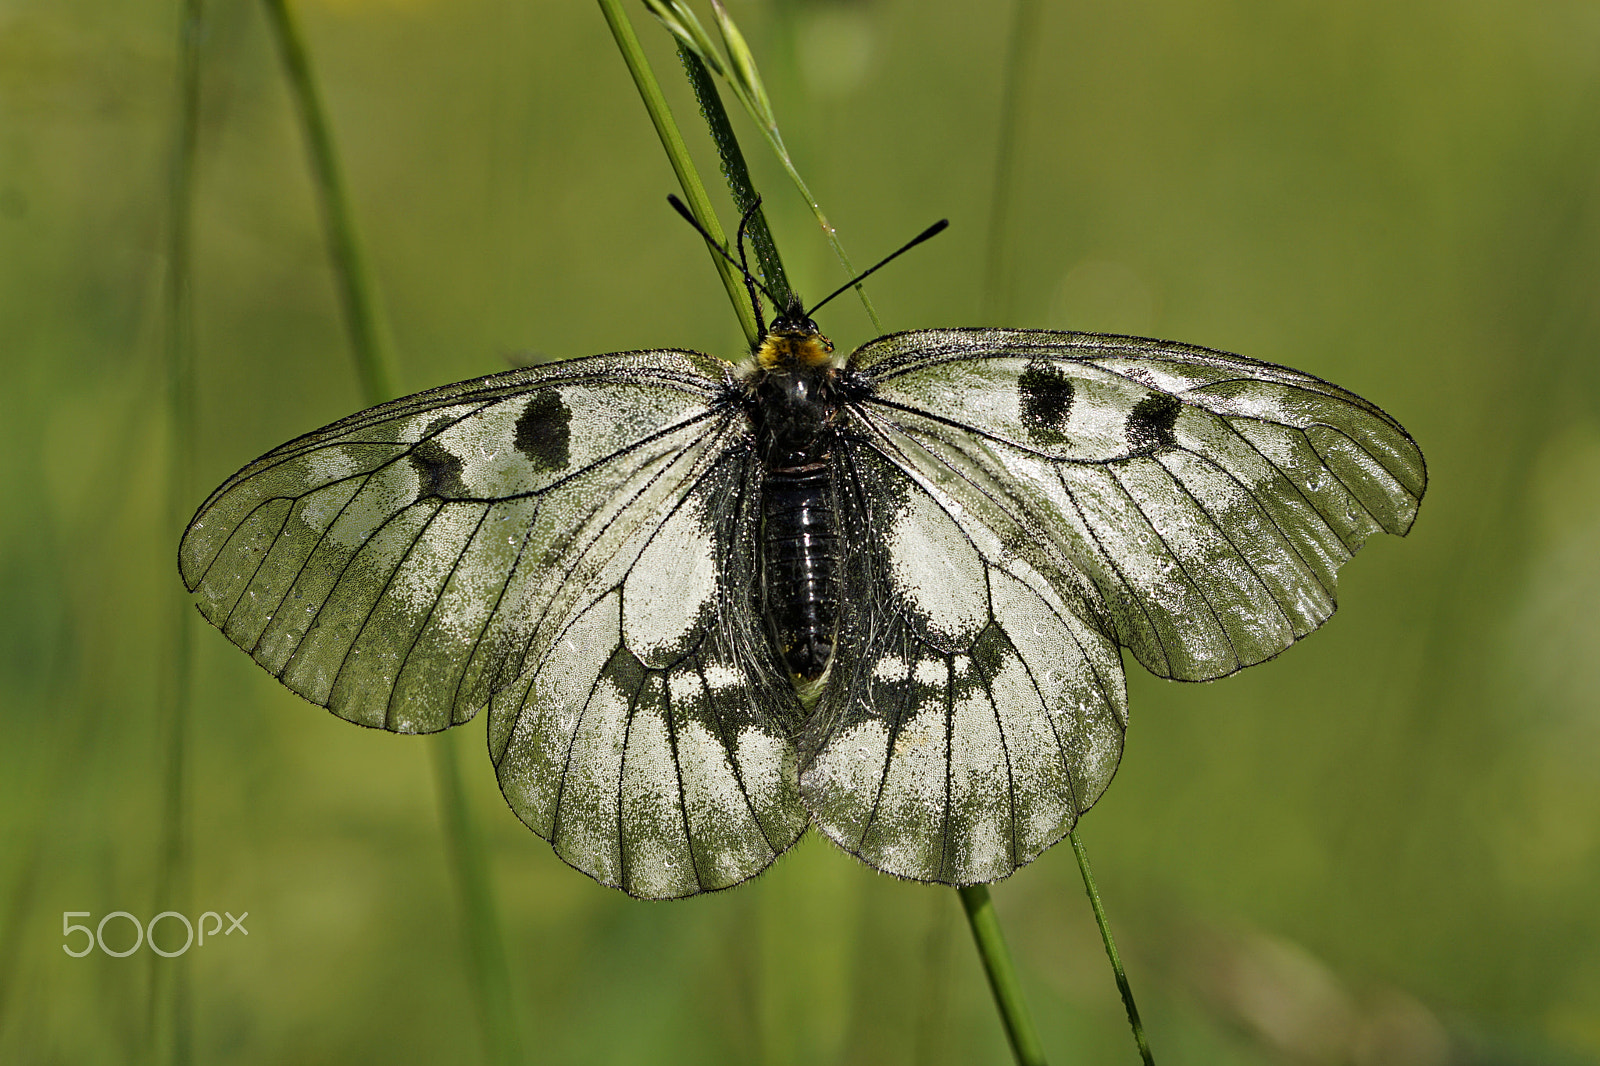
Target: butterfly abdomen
(794, 413)
(800, 566)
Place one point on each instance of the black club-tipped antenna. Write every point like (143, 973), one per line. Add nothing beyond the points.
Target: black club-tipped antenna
(753, 283)
(742, 264)
(932, 231)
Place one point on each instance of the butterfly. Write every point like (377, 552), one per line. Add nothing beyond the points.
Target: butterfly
(709, 606)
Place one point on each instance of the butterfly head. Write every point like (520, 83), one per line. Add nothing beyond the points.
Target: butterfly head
(793, 342)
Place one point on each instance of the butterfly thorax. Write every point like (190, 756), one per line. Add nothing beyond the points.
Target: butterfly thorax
(794, 401)
(793, 341)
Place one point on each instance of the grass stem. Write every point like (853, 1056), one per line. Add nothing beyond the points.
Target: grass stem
(1123, 987)
(975, 898)
(736, 173)
(480, 922)
(356, 291)
(480, 917)
(694, 190)
(168, 1023)
(742, 77)
(1002, 974)
(997, 308)
(1020, 50)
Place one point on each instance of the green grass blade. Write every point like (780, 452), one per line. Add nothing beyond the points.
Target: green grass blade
(483, 943)
(752, 93)
(169, 1004)
(1020, 52)
(368, 344)
(736, 173)
(745, 80)
(1123, 987)
(1002, 974)
(480, 918)
(694, 190)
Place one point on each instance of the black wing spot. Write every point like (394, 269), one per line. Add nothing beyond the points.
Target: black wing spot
(1046, 397)
(1150, 423)
(544, 431)
(438, 471)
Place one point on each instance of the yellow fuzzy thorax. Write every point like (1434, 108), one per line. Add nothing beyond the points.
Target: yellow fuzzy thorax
(793, 350)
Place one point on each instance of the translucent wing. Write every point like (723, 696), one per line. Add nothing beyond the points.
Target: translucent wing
(649, 739)
(388, 566)
(1198, 504)
(580, 527)
(972, 711)
(1019, 504)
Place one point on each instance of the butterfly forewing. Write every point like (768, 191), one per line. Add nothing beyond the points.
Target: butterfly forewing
(392, 566)
(1204, 500)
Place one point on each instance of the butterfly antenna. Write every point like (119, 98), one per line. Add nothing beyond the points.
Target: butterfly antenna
(751, 282)
(932, 231)
(744, 265)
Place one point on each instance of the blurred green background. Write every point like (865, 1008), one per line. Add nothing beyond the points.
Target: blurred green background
(1382, 847)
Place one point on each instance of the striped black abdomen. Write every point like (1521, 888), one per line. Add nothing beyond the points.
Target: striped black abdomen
(799, 565)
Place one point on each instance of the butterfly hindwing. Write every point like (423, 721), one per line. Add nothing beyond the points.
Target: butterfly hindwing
(649, 738)
(1202, 501)
(971, 714)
